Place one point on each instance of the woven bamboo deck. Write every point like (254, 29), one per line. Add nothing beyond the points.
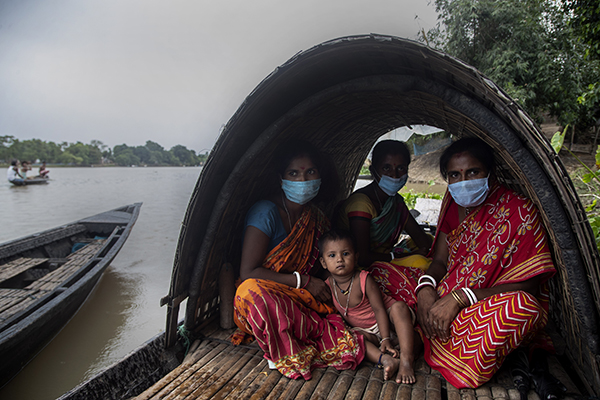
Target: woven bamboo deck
(215, 369)
(14, 300)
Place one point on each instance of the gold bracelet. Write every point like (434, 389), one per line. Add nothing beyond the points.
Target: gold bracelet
(459, 299)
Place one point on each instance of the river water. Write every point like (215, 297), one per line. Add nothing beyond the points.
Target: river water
(123, 310)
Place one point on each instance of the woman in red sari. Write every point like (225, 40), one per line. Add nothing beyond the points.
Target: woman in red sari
(282, 302)
(485, 292)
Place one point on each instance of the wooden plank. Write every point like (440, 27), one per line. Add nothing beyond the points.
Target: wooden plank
(235, 385)
(374, 386)
(18, 266)
(309, 387)
(341, 385)
(326, 383)
(433, 388)
(389, 390)
(452, 392)
(272, 378)
(499, 393)
(357, 388)
(405, 392)
(419, 387)
(75, 261)
(229, 369)
(467, 394)
(17, 300)
(252, 382)
(185, 383)
(179, 374)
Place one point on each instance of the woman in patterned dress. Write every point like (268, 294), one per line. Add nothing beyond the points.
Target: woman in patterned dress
(485, 292)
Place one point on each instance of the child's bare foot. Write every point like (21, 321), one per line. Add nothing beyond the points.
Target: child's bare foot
(389, 364)
(406, 374)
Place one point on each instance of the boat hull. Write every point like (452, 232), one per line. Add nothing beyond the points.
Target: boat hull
(24, 334)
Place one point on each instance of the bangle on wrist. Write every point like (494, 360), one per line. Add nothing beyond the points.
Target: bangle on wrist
(384, 339)
(459, 298)
(422, 285)
(470, 295)
(428, 278)
(298, 279)
(392, 254)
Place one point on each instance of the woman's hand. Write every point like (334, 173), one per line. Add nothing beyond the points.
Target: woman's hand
(318, 288)
(426, 298)
(441, 316)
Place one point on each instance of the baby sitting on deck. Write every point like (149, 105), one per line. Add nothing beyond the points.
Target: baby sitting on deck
(363, 306)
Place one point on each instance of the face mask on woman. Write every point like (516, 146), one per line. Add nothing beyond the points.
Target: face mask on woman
(390, 186)
(300, 192)
(469, 193)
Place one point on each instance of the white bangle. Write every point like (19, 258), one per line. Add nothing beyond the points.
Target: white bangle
(422, 285)
(392, 254)
(298, 279)
(430, 278)
(470, 295)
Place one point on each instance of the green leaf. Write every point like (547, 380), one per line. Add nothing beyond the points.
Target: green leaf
(598, 157)
(558, 140)
(590, 207)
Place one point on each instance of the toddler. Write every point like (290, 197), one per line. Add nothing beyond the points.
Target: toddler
(358, 298)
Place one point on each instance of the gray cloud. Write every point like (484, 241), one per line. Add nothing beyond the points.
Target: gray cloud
(169, 71)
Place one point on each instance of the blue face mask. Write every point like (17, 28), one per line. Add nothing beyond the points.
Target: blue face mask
(391, 186)
(469, 193)
(300, 192)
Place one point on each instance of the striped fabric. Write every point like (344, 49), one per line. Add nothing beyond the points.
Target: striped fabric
(295, 331)
(482, 335)
(501, 242)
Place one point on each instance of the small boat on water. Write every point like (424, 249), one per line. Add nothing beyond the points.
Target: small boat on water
(46, 277)
(342, 95)
(32, 181)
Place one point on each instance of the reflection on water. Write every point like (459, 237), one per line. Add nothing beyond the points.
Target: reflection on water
(123, 311)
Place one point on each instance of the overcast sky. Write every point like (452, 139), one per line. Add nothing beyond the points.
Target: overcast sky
(170, 71)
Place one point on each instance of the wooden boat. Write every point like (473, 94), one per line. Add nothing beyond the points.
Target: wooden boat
(32, 181)
(342, 95)
(46, 277)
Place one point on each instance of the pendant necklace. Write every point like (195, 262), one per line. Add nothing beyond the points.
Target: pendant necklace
(345, 293)
(286, 211)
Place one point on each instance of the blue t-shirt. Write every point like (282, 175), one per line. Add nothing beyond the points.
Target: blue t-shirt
(264, 216)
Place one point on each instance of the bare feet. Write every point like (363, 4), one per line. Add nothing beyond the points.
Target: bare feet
(390, 366)
(406, 374)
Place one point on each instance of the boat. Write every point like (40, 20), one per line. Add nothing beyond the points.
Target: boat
(47, 276)
(32, 181)
(342, 95)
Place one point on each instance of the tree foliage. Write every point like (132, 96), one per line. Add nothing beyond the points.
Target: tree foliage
(96, 152)
(528, 47)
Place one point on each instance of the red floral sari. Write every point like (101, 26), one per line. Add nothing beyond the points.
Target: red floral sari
(295, 331)
(502, 241)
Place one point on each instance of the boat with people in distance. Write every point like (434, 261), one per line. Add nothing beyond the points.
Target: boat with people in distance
(47, 276)
(32, 181)
(341, 96)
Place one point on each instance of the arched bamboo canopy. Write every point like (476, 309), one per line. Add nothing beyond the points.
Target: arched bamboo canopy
(342, 95)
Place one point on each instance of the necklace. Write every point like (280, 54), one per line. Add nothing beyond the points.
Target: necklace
(344, 292)
(286, 211)
(348, 294)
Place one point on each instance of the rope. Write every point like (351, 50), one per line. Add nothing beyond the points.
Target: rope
(185, 335)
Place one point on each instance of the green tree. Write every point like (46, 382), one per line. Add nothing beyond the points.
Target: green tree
(185, 156)
(525, 46)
